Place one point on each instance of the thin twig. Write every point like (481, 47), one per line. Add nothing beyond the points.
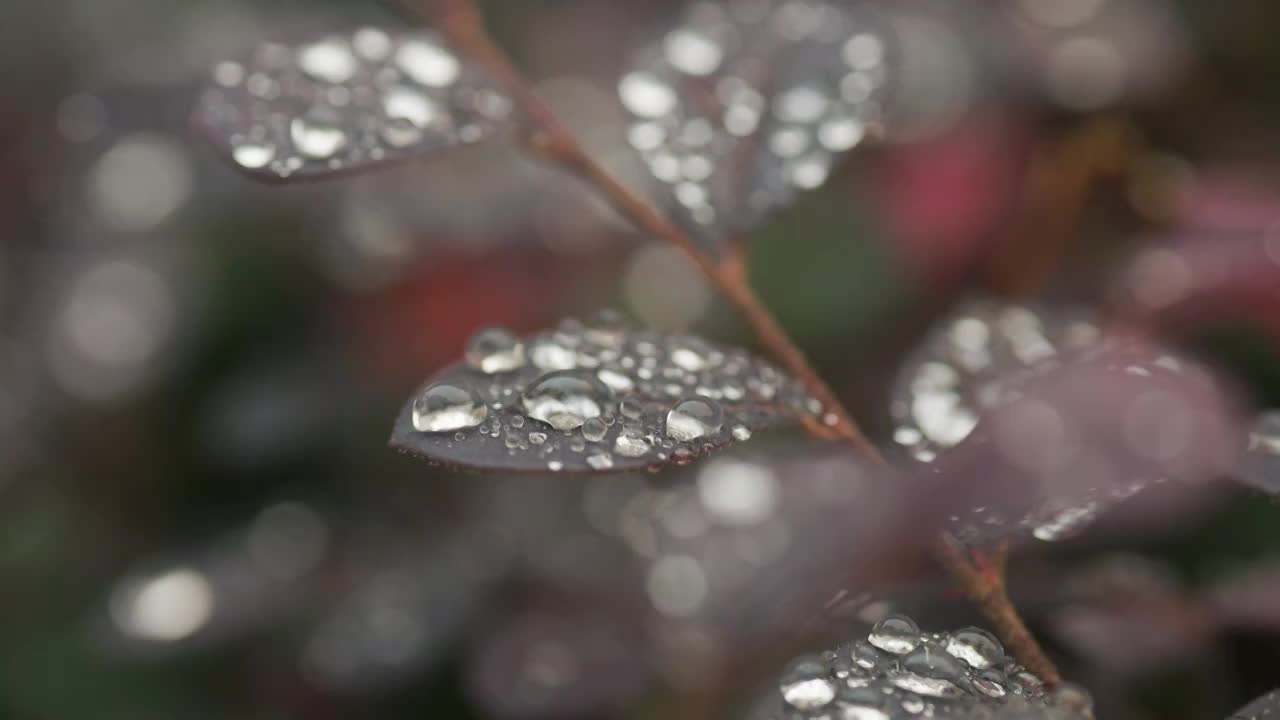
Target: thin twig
(460, 21)
(982, 579)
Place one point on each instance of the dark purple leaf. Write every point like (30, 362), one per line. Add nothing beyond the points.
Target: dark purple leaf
(744, 104)
(1060, 444)
(1250, 599)
(346, 102)
(594, 398)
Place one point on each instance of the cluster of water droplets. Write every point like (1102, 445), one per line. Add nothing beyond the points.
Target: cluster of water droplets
(897, 672)
(747, 102)
(595, 395)
(346, 101)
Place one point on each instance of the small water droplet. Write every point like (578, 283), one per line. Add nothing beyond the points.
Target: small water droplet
(693, 52)
(495, 350)
(445, 407)
(594, 429)
(548, 354)
(693, 418)
(428, 64)
(617, 381)
(565, 399)
(253, 155)
(646, 95)
(929, 670)
(632, 443)
(897, 634)
(537, 438)
(318, 134)
(741, 433)
(600, 461)
(805, 685)
(329, 61)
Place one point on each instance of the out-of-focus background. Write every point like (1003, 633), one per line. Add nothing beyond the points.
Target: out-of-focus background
(198, 373)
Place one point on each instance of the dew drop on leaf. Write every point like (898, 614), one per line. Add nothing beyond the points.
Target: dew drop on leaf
(445, 407)
(693, 418)
(565, 399)
(895, 634)
(495, 350)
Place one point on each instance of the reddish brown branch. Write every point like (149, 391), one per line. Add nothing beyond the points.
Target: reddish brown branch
(982, 579)
(460, 21)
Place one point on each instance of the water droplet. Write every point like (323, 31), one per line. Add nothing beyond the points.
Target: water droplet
(548, 354)
(495, 350)
(372, 44)
(537, 438)
(931, 671)
(607, 328)
(616, 381)
(565, 399)
(647, 96)
(594, 429)
(840, 134)
(600, 461)
(895, 634)
(632, 443)
(253, 155)
(805, 685)
(445, 407)
(693, 52)
(977, 647)
(693, 418)
(690, 355)
(802, 104)
(328, 61)
(555, 466)
(403, 103)
(318, 134)
(428, 64)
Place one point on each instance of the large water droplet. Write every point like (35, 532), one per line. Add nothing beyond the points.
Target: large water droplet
(445, 407)
(693, 418)
(805, 685)
(328, 61)
(647, 96)
(495, 350)
(977, 647)
(404, 103)
(428, 64)
(564, 400)
(318, 134)
(895, 634)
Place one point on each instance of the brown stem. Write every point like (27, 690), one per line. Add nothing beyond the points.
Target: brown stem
(460, 21)
(982, 579)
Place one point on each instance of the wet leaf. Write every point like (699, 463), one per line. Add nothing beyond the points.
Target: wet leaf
(1069, 438)
(598, 397)
(744, 104)
(954, 375)
(898, 672)
(1264, 708)
(347, 102)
